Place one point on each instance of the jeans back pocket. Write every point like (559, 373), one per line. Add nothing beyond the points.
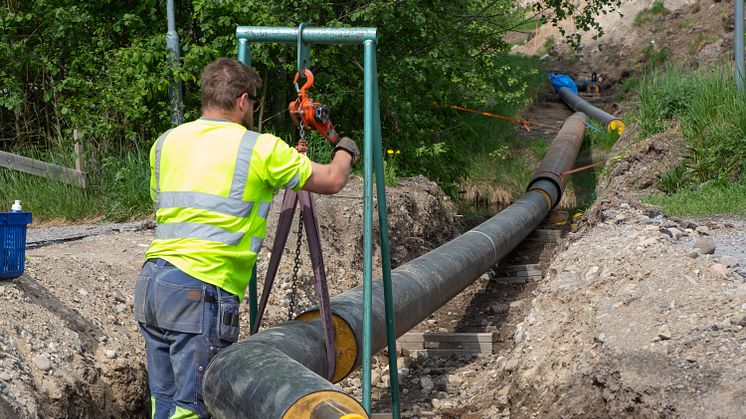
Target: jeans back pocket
(179, 308)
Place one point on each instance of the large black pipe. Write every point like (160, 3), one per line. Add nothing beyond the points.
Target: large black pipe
(279, 372)
(576, 103)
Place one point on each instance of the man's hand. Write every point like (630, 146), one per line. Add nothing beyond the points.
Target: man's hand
(348, 145)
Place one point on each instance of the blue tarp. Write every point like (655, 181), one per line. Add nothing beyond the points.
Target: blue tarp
(562, 80)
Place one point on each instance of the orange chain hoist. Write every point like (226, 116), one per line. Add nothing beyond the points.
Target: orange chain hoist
(309, 114)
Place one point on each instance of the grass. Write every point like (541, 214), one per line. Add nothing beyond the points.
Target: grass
(653, 58)
(118, 189)
(700, 40)
(645, 16)
(711, 115)
(497, 164)
(711, 198)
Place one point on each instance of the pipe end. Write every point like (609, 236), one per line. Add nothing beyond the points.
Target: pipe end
(616, 125)
(345, 344)
(326, 404)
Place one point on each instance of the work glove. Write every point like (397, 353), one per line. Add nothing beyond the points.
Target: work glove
(348, 145)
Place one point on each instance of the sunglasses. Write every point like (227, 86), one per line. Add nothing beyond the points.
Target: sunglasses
(255, 101)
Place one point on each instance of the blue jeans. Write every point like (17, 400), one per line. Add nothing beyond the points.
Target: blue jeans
(185, 323)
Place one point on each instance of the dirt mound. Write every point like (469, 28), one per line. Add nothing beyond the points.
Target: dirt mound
(635, 171)
(632, 320)
(69, 345)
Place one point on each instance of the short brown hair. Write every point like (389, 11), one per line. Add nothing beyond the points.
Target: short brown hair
(224, 80)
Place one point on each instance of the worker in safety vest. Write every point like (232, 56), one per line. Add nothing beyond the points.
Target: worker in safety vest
(212, 181)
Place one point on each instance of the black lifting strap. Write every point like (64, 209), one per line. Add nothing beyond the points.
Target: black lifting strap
(289, 202)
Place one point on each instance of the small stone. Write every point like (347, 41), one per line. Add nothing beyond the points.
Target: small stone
(693, 254)
(110, 353)
(42, 362)
(82, 292)
(455, 380)
(5, 376)
(120, 308)
(664, 332)
(720, 270)
(426, 383)
(499, 308)
(516, 305)
(375, 378)
(729, 261)
(592, 272)
(511, 365)
(671, 232)
(705, 245)
(702, 230)
(649, 241)
(403, 372)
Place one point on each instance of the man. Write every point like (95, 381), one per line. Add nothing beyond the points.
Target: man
(212, 181)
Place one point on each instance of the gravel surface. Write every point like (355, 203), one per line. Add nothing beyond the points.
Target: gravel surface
(41, 236)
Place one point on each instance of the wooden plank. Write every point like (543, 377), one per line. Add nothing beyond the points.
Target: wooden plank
(411, 338)
(40, 168)
(421, 337)
(459, 337)
(511, 280)
(451, 352)
(468, 346)
(526, 273)
(519, 268)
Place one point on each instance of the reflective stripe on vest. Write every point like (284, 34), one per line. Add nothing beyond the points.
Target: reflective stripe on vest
(197, 231)
(293, 182)
(158, 148)
(232, 205)
(256, 244)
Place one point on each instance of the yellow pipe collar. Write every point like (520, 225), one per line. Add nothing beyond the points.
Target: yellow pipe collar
(326, 404)
(345, 344)
(616, 125)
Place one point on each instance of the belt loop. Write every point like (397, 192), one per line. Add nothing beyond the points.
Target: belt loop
(160, 263)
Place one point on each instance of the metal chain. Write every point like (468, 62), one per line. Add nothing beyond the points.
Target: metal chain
(293, 306)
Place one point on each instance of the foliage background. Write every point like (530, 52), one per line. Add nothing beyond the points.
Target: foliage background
(101, 67)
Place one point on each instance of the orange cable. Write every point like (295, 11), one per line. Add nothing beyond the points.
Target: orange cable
(524, 122)
(580, 169)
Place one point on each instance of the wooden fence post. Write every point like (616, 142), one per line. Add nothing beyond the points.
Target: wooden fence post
(79, 159)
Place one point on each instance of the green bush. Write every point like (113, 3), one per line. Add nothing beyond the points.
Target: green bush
(711, 115)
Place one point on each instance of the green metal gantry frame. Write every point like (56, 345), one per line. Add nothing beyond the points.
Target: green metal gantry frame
(304, 37)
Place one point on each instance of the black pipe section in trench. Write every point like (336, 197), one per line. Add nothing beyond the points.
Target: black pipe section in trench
(278, 373)
(577, 104)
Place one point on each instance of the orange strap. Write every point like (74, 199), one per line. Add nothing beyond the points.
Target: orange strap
(524, 122)
(580, 169)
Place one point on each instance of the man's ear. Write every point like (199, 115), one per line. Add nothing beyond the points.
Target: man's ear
(242, 102)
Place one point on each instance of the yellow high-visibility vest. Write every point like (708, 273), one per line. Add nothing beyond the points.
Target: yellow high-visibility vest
(212, 181)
